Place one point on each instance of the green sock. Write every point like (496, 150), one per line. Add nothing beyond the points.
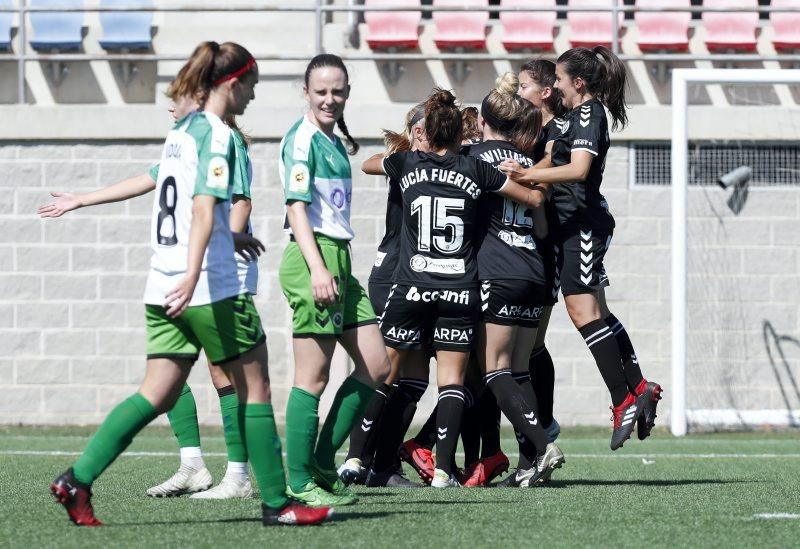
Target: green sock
(302, 422)
(229, 407)
(264, 449)
(347, 408)
(114, 435)
(183, 420)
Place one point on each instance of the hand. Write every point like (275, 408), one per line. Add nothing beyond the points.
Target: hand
(512, 169)
(324, 287)
(248, 246)
(178, 299)
(63, 203)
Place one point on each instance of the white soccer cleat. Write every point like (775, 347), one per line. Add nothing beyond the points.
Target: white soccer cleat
(187, 480)
(444, 480)
(229, 488)
(352, 472)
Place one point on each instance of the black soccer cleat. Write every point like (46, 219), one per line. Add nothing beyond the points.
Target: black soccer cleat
(652, 394)
(391, 479)
(76, 498)
(509, 482)
(624, 417)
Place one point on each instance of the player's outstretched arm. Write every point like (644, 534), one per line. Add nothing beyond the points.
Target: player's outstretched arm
(373, 165)
(575, 172)
(124, 190)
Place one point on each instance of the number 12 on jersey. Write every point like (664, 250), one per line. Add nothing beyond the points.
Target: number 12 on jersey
(439, 218)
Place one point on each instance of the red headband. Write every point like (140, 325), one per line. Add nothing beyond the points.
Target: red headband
(249, 65)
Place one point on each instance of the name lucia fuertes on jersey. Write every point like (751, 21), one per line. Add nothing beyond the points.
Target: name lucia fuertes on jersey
(437, 175)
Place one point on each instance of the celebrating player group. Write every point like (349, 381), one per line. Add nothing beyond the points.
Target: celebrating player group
(490, 213)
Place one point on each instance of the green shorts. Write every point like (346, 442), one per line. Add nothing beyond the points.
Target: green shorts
(225, 330)
(310, 319)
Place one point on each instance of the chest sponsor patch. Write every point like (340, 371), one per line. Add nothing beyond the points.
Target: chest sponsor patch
(217, 177)
(421, 264)
(299, 179)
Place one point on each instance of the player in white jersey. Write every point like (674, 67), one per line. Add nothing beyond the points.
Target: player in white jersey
(192, 297)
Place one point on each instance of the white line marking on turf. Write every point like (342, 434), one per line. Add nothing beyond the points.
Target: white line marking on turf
(769, 516)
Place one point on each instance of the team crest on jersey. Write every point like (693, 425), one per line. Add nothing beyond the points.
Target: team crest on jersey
(217, 173)
(298, 179)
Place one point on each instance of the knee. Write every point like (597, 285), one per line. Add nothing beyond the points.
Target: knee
(581, 315)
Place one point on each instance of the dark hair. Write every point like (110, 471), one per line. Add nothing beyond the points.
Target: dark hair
(604, 75)
(543, 72)
(469, 123)
(443, 123)
(511, 116)
(334, 61)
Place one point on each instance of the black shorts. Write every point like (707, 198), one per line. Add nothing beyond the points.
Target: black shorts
(583, 250)
(513, 302)
(554, 263)
(378, 294)
(415, 316)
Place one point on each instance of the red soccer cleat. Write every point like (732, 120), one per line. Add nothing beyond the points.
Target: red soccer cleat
(418, 457)
(76, 498)
(624, 417)
(486, 470)
(296, 514)
(651, 392)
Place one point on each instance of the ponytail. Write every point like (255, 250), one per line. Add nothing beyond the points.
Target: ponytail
(443, 122)
(511, 116)
(334, 61)
(353, 145)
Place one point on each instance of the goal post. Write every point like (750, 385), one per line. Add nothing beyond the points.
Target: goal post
(681, 79)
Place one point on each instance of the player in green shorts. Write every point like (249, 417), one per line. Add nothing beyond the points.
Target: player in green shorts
(193, 299)
(192, 477)
(327, 302)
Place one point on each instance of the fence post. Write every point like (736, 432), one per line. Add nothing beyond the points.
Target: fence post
(319, 26)
(615, 27)
(23, 42)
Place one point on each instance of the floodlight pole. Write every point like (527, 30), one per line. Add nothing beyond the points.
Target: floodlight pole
(681, 78)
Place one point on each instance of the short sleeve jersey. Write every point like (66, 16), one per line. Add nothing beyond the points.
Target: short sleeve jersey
(548, 133)
(508, 249)
(389, 248)
(198, 159)
(440, 216)
(315, 169)
(585, 129)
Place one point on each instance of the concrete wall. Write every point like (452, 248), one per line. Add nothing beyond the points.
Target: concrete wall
(72, 326)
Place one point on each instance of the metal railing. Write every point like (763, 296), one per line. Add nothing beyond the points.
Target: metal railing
(320, 11)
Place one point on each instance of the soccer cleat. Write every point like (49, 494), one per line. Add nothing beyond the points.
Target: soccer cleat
(443, 480)
(553, 431)
(314, 496)
(295, 513)
(187, 480)
(509, 482)
(418, 457)
(624, 417)
(652, 394)
(229, 488)
(486, 470)
(76, 498)
(391, 479)
(352, 472)
(539, 474)
(329, 481)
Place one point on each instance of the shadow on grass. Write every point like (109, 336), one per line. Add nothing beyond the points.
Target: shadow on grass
(682, 482)
(337, 517)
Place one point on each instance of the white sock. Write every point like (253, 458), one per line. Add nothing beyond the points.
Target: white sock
(236, 470)
(193, 457)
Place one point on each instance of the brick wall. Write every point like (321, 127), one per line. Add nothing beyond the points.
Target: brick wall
(72, 326)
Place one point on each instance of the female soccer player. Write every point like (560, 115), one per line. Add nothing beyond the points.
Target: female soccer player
(327, 302)
(435, 295)
(590, 81)
(193, 296)
(192, 475)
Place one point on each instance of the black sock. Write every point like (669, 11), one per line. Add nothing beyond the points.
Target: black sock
(543, 377)
(470, 429)
(519, 410)
(489, 413)
(393, 426)
(630, 362)
(363, 436)
(448, 424)
(427, 434)
(526, 447)
(415, 388)
(603, 346)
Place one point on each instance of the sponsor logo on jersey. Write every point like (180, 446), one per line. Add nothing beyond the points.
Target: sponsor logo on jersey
(518, 311)
(403, 334)
(453, 335)
(421, 264)
(217, 173)
(585, 142)
(299, 179)
(339, 197)
(516, 240)
(430, 296)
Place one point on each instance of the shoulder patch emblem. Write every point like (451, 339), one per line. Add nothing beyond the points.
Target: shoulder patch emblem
(217, 173)
(299, 179)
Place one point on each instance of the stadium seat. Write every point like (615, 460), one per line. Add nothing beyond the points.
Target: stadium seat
(528, 31)
(663, 31)
(392, 29)
(6, 20)
(786, 26)
(734, 30)
(592, 28)
(126, 31)
(461, 30)
(56, 31)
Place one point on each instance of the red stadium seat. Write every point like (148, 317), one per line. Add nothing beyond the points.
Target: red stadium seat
(592, 28)
(663, 31)
(393, 29)
(734, 30)
(785, 25)
(464, 29)
(531, 30)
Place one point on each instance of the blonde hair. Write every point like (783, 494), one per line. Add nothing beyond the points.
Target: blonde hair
(402, 142)
(511, 116)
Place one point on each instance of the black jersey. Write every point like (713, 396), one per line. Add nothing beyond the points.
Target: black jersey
(386, 260)
(585, 129)
(548, 133)
(508, 249)
(440, 209)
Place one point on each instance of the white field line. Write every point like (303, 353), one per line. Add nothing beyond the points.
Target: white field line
(780, 516)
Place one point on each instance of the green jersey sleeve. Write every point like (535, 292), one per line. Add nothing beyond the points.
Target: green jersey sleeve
(154, 171)
(214, 165)
(242, 170)
(298, 162)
